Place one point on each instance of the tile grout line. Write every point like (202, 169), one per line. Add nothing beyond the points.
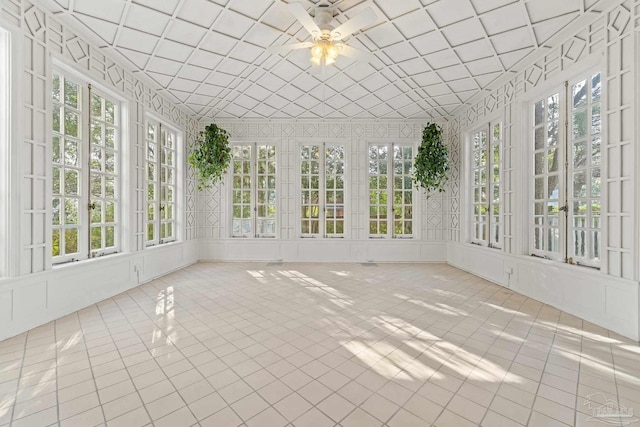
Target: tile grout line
(555, 335)
(288, 319)
(540, 307)
(186, 358)
(93, 376)
(126, 368)
(24, 355)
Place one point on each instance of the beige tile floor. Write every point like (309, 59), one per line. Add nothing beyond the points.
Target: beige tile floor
(312, 345)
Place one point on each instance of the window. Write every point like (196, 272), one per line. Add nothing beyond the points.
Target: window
(566, 163)
(390, 191)
(7, 153)
(161, 183)
(85, 171)
(485, 185)
(254, 190)
(322, 190)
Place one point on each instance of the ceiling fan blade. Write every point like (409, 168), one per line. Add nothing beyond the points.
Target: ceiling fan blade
(305, 19)
(288, 47)
(364, 18)
(355, 53)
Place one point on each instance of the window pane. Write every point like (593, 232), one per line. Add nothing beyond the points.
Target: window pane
(266, 190)
(96, 238)
(402, 190)
(71, 93)
(579, 94)
(161, 177)
(584, 171)
(71, 241)
(71, 122)
(480, 185)
(495, 164)
(377, 189)
(67, 168)
(104, 166)
(241, 181)
(110, 236)
(547, 169)
(334, 182)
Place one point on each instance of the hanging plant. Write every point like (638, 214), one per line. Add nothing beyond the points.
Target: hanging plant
(431, 164)
(211, 156)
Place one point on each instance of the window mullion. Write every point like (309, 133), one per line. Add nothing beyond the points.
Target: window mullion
(495, 204)
(85, 195)
(253, 176)
(322, 210)
(565, 181)
(390, 192)
(488, 149)
(158, 187)
(158, 201)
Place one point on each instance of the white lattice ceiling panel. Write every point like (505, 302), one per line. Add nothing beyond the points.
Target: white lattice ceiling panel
(110, 11)
(475, 50)
(513, 40)
(450, 12)
(185, 33)
(414, 23)
(138, 41)
(465, 31)
(427, 58)
(199, 12)
(146, 20)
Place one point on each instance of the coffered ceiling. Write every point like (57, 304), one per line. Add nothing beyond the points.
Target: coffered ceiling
(430, 57)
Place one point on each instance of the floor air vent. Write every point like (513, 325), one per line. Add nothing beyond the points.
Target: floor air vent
(369, 264)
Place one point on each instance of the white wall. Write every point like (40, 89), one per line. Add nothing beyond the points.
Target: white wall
(316, 250)
(609, 297)
(33, 292)
(32, 300)
(428, 243)
(600, 299)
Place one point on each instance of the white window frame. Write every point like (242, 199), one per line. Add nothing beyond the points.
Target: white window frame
(572, 199)
(390, 234)
(253, 191)
(492, 223)
(10, 137)
(84, 199)
(159, 203)
(565, 169)
(323, 206)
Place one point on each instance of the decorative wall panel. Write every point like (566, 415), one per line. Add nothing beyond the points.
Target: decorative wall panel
(620, 188)
(44, 37)
(608, 40)
(287, 136)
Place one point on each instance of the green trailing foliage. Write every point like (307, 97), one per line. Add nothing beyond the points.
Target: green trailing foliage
(211, 156)
(431, 164)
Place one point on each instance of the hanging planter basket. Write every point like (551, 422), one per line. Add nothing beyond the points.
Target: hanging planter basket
(211, 156)
(431, 164)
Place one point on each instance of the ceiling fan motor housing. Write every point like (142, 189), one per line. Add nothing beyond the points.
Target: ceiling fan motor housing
(324, 16)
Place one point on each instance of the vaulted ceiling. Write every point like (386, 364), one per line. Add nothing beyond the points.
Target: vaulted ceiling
(429, 56)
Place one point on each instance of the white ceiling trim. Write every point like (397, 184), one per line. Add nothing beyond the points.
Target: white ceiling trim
(431, 58)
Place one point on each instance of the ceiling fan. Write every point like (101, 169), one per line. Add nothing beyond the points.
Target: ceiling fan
(326, 44)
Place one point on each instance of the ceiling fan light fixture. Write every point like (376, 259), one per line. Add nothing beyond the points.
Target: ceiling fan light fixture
(327, 42)
(324, 52)
(332, 51)
(317, 51)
